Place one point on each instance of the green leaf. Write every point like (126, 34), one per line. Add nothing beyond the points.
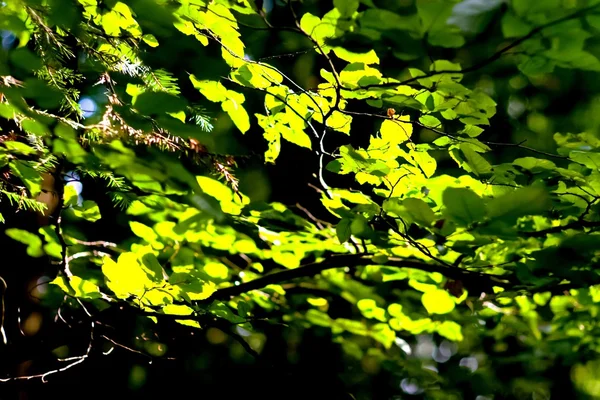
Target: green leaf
(26, 59)
(150, 40)
(273, 139)
(212, 90)
(513, 26)
(43, 94)
(30, 177)
(369, 309)
(396, 131)
(35, 127)
(89, 211)
(7, 111)
(438, 301)
(340, 122)
(33, 241)
(143, 231)
(198, 290)
(297, 137)
(423, 161)
(532, 200)
(180, 309)
(342, 230)
(383, 334)
(384, 20)
(346, 7)
(360, 227)
(125, 277)
(318, 318)
(319, 29)
(451, 331)
(445, 65)
(231, 102)
(18, 147)
(230, 202)
(474, 15)
(434, 15)
(52, 246)
(233, 107)
(78, 287)
(369, 57)
(430, 121)
(216, 270)
(159, 102)
(587, 158)
(244, 308)
(152, 267)
(463, 206)
(477, 164)
(536, 65)
(430, 103)
(285, 258)
(535, 165)
(473, 131)
(525, 7)
(420, 211)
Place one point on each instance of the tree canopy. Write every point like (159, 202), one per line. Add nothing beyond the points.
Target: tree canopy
(413, 183)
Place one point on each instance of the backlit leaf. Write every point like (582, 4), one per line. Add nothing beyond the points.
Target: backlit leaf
(437, 301)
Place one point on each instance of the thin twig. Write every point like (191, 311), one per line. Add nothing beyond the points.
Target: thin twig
(458, 138)
(63, 245)
(93, 253)
(317, 221)
(101, 243)
(114, 342)
(43, 376)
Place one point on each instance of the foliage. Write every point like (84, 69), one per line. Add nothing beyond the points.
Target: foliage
(432, 229)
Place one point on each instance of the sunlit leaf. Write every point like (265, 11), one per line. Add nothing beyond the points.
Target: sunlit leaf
(33, 241)
(437, 301)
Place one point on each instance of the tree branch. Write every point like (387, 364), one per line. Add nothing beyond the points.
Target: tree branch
(64, 264)
(580, 224)
(73, 362)
(483, 281)
(491, 58)
(457, 138)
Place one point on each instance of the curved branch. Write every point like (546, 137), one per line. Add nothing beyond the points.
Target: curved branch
(482, 281)
(493, 57)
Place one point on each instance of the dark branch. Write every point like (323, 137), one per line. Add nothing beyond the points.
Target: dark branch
(494, 57)
(580, 224)
(458, 138)
(520, 146)
(482, 281)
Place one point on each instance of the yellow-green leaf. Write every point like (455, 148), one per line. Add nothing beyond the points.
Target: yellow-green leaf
(396, 130)
(237, 113)
(438, 301)
(143, 231)
(450, 330)
(150, 40)
(369, 57)
(216, 270)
